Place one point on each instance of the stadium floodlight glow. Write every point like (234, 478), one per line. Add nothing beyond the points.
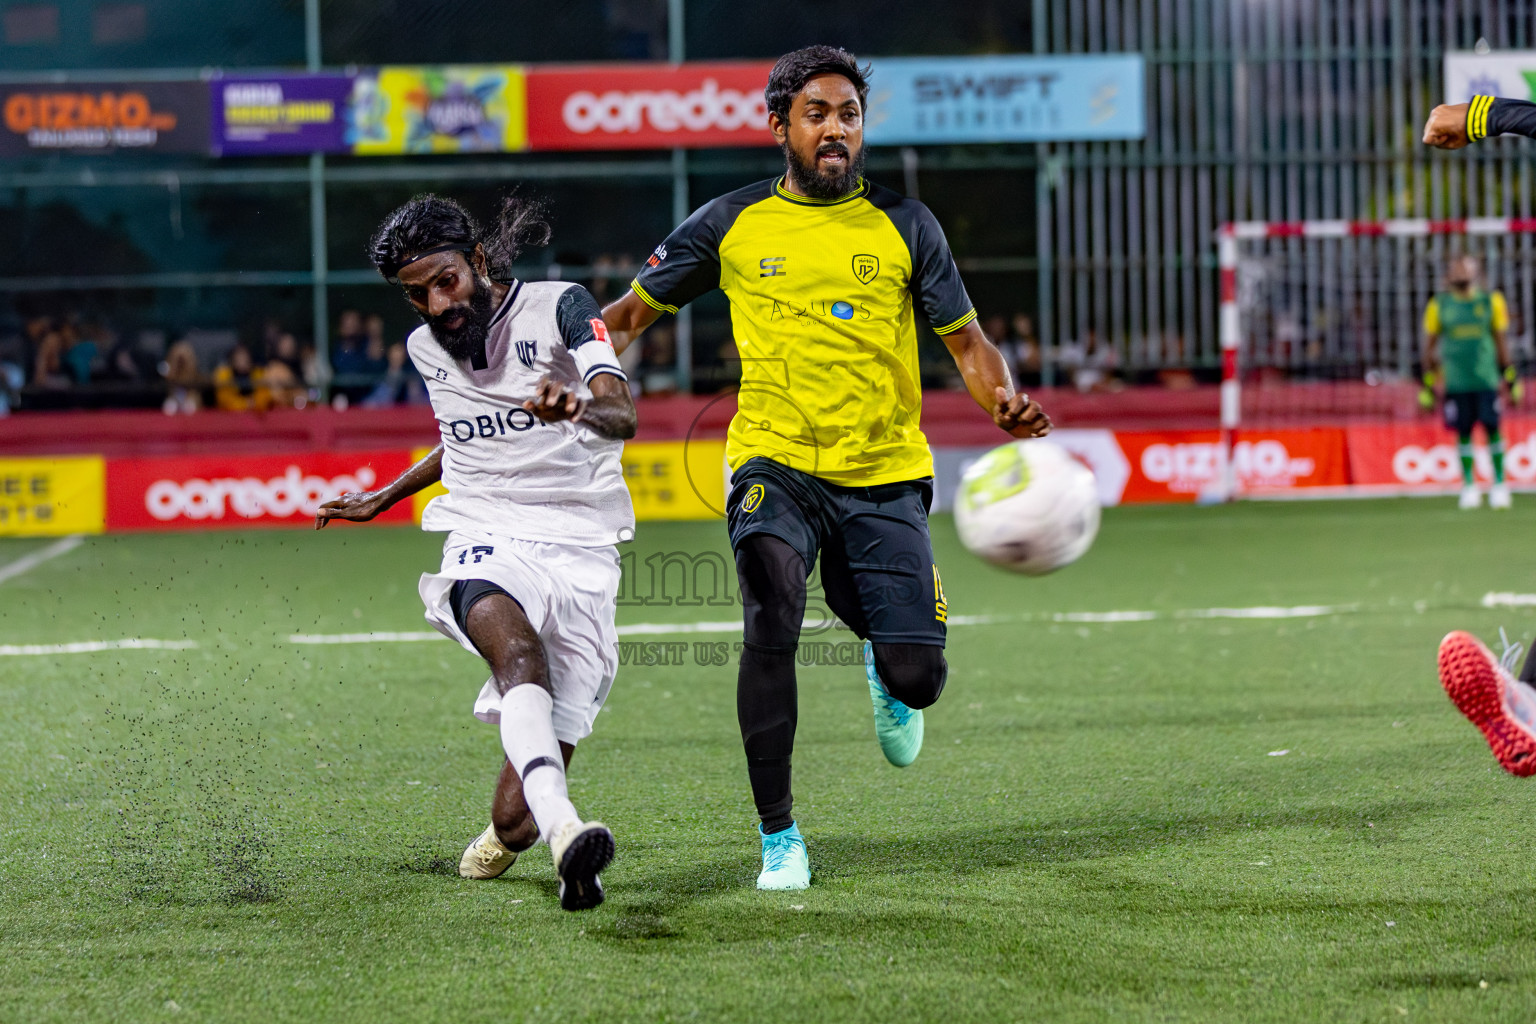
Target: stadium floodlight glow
(1229, 250)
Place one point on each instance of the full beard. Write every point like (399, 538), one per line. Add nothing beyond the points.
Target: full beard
(465, 340)
(828, 184)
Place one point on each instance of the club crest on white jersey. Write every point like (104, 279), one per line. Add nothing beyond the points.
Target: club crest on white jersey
(507, 471)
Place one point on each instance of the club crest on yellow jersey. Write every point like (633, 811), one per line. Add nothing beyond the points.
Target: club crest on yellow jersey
(866, 267)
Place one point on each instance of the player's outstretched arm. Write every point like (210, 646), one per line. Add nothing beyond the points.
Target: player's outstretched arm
(610, 411)
(987, 379)
(361, 506)
(626, 318)
(1454, 125)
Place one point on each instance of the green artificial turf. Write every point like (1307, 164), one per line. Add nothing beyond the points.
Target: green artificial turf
(1102, 825)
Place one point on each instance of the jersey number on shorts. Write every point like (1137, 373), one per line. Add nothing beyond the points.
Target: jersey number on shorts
(479, 551)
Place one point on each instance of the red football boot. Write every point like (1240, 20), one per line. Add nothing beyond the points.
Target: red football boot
(1492, 699)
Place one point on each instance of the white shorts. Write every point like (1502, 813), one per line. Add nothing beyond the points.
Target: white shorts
(568, 594)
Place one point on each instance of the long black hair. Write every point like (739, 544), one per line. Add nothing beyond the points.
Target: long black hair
(433, 223)
(793, 70)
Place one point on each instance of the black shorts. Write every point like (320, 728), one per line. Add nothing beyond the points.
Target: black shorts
(1465, 408)
(877, 568)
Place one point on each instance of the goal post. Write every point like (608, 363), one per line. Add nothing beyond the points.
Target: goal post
(1322, 318)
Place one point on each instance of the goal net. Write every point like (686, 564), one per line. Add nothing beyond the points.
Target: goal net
(1322, 334)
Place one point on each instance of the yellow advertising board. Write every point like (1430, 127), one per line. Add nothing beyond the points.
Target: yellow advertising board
(420, 498)
(676, 479)
(51, 497)
(450, 109)
(667, 479)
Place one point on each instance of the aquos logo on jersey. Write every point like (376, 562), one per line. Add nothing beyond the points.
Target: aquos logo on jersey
(817, 309)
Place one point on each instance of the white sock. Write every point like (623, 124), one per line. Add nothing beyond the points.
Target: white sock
(528, 737)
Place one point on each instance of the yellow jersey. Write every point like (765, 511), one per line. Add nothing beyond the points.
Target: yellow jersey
(824, 296)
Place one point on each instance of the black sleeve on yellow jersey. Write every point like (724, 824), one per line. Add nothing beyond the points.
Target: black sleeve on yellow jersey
(687, 264)
(936, 286)
(1487, 115)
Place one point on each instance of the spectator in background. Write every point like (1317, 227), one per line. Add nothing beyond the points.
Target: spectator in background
(401, 384)
(658, 361)
(13, 368)
(283, 374)
(349, 345)
(1174, 373)
(1023, 350)
(127, 361)
(239, 384)
(376, 351)
(1090, 363)
(182, 377)
(49, 346)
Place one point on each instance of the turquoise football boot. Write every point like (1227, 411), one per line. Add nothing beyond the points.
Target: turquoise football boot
(898, 727)
(785, 863)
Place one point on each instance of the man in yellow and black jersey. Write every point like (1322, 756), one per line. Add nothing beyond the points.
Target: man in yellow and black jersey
(826, 275)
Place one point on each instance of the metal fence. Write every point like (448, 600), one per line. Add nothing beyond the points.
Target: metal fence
(1308, 109)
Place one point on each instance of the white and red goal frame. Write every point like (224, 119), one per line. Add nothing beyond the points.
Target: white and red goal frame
(1229, 238)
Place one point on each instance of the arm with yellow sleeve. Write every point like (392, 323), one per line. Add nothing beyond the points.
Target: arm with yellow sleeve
(1431, 355)
(1500, 329)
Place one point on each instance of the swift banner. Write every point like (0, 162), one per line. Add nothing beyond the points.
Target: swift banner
(648, 106)
(471, 108)
(101, 117)
(230, 492)
(923, 100)
(1510, 74)
(279, 114)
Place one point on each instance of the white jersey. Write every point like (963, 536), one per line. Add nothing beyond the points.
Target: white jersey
(508, 472)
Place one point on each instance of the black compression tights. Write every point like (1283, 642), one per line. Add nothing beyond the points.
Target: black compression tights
(772, 577)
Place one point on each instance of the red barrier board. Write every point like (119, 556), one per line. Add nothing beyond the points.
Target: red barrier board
(651, 106)
(1422, 455)
(1179, 465)
(242, 491)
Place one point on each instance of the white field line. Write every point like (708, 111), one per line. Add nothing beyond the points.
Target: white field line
(1507, 599)
(93, 646)
(648, 628)
(27, 563)
(365, 638)
(1304, 611)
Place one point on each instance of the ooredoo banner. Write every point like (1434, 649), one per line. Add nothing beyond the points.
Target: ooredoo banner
(1422, 456)
(649, 106)
(102, 117)
(242, 491)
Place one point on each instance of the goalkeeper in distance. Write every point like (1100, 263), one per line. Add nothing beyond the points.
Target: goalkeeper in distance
(1465, 351)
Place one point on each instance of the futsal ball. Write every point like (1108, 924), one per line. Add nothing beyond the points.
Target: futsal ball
(1027, 506)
